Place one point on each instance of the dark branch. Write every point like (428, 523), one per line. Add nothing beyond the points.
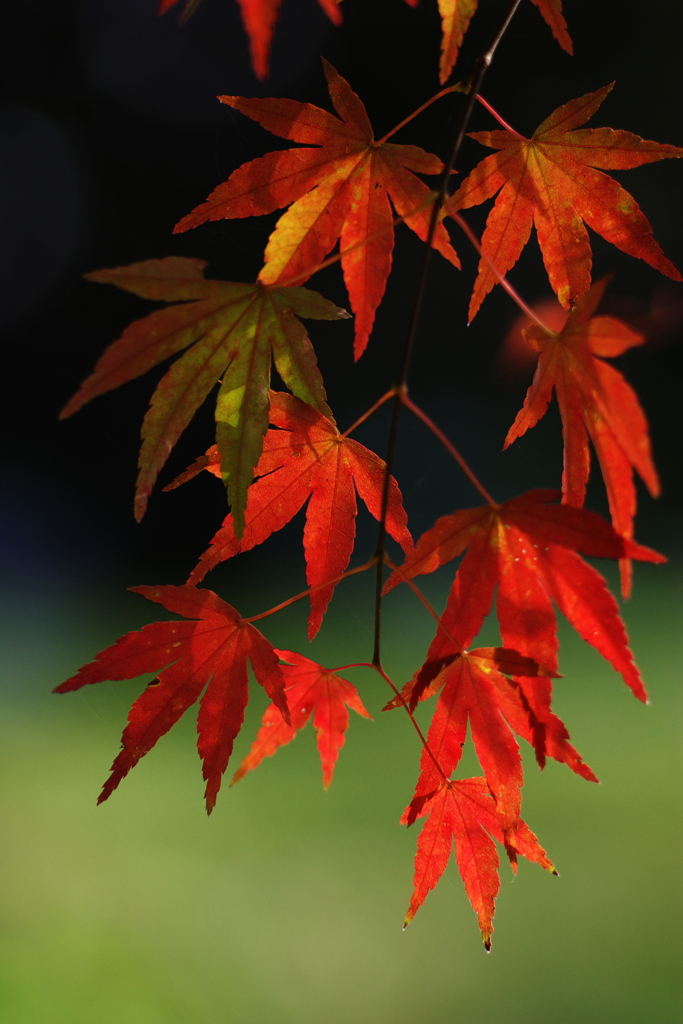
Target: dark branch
(477, 77)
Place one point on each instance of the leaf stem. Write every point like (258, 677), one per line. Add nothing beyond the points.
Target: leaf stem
(450, 448)
(481, 67)
(406, 120)
(373, 408)
(418, 593)
(512, 292)
(305, 593)
(499, 119)
(397, 693)
(354, 664)
(418, 730)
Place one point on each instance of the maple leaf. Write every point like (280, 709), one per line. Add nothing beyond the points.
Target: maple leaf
(259, 17)
(595, 400)
(457, 14)
(529, 549)
(307, 457)
(235, 331)
(212, 650)
(311, 689)
(338, 191)
(551, 181)
(464, 813)
(475, 690)
(455, 20)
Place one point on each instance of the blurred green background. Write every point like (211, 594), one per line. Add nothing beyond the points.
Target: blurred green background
(286, 905)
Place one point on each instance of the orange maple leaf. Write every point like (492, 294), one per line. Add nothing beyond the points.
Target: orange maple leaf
(476, 691)
(339, 191)
(528, 550)
(549, 181)
(595, 400)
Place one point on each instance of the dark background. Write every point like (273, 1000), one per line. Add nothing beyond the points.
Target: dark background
(110, 132)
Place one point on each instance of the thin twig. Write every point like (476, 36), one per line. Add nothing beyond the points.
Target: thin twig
(413, 720)
(418, 593)
(366, 415)
(512, 292)
(499, 119)
(305, 593)
(354, 664)
(400, 385)
(406, 706)
(397, 692)
(450, 448)
(407, 120)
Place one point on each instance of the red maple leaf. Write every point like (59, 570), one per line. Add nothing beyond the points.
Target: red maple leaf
(259, 17)
(550, 181)
(464, 813)
(311, 689)
(528, 549)
(595, 400)
(308, 457)
(338, 191)
(476, 691)
(214, 650)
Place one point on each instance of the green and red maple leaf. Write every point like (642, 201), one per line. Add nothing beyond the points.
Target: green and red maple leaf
(339, 190)
(236, 331)
(455, 20)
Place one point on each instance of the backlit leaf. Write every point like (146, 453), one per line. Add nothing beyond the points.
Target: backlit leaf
(236, 331)
(307, 458)
(310, 690)
(595, 401)
(214, 650)
(463, 813)
(340, 191)
(550, 181)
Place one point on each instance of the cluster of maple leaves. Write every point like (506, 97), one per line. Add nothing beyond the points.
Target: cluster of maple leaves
(279, 451)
